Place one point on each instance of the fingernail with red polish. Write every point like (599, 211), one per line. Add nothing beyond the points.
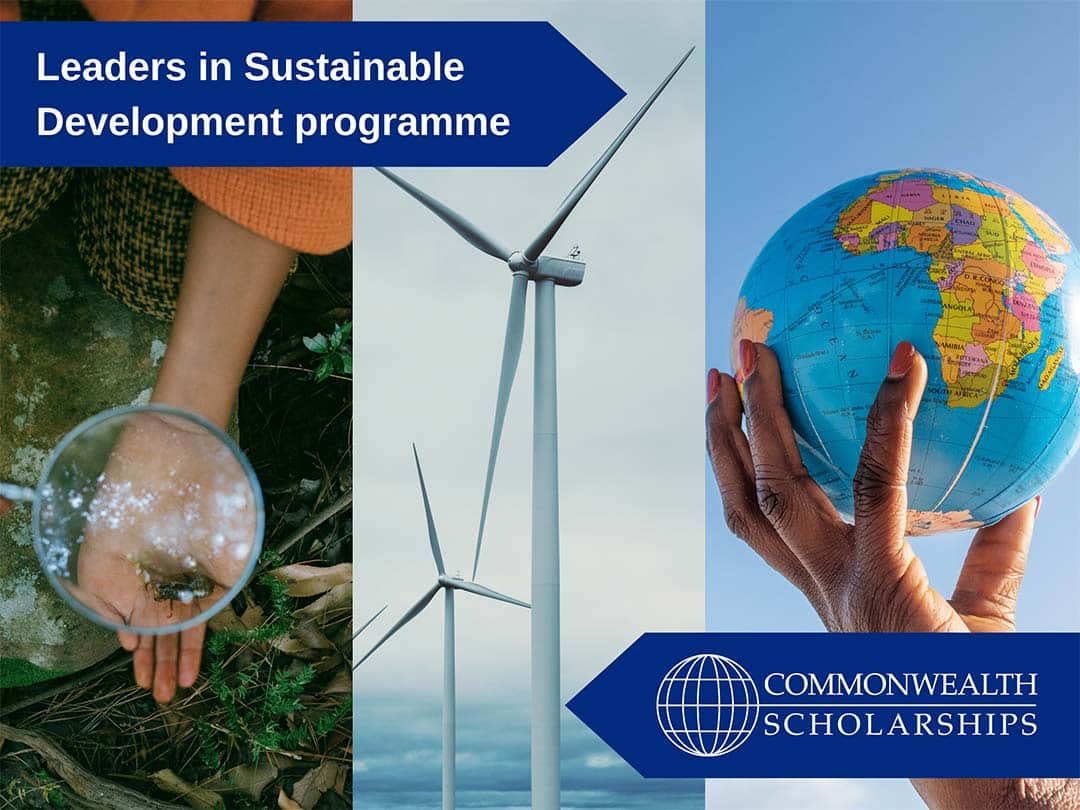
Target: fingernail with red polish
(1038, 506)
(902, 360)
(747, 357)
(712, 386)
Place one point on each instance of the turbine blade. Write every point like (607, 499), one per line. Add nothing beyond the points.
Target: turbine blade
(368, 623)
(433, 536)
(410, 614)
(465, 229)
(480, 590)
(536, 247)
(515, 329)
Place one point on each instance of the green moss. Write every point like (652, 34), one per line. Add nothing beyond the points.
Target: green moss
(17, 672)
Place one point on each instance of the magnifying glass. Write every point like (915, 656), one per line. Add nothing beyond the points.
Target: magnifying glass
(146, 519)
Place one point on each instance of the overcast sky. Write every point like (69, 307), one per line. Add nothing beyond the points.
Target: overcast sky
(430, 316)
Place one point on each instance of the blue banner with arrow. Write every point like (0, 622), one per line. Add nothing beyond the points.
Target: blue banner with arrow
(841, 705)
(294, 94)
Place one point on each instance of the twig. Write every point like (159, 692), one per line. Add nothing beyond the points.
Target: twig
(298, 368)
(316, 520)
(118, 660)
(101, 792)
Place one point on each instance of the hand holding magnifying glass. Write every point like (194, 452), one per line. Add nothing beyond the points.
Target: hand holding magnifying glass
(148, 520)
(168, 533)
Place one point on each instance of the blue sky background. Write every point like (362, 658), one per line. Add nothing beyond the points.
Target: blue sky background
(803, 96)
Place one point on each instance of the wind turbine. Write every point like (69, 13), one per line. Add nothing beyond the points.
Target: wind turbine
(448, 584)
(368, 624)
(546, 272)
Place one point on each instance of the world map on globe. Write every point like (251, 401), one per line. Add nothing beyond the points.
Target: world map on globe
(987, 288)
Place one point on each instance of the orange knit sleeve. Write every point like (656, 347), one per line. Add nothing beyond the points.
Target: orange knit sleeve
(304, 10)
(309, 210)
(170, 10)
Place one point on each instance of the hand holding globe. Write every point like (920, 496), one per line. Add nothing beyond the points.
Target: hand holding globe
(864, 576)
(861, 576)
(966, 298)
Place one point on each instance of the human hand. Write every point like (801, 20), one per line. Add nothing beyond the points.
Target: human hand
(861, 576)
(864, 576)
(169, 531)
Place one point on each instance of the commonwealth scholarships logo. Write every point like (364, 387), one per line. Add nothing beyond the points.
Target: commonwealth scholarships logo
(708, 705)
(824, 705)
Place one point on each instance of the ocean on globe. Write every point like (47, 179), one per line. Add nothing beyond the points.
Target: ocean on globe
(987, 288)
(707, 705)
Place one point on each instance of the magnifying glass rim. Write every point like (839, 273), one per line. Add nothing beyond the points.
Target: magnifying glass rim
(238, 454)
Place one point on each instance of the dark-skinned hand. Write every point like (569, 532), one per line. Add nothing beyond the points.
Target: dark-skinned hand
(864, 576)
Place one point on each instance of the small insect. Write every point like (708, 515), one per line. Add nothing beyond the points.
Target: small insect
(182, 587)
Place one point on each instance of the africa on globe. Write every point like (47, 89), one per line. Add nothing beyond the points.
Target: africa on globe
(987, 288)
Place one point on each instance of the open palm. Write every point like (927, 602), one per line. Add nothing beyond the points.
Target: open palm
(169, 531)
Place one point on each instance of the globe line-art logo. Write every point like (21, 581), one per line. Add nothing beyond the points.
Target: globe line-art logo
(707, 705)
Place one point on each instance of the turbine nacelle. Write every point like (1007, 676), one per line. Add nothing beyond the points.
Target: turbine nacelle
(564, 272)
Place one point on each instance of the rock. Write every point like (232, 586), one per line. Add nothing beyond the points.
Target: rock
(67, 351)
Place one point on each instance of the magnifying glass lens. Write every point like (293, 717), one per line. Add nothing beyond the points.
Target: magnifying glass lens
(148, 520)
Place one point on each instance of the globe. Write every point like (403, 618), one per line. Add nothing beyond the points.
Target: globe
(707, 705)
(987, 288)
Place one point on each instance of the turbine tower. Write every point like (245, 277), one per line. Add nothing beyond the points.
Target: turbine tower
(546, 272)
(448, 584)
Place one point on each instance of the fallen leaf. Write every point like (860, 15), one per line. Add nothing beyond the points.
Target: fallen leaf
(297, 649)
(196, 797)
(280, 760)
(340, 684)
(304, 641)
(339, 783)
(315, 783)
(342, 637)
(312, 580)
(248, 779)
(330, 607)
(285, 803)
(312, 636)
(253, 617)
(225, 620)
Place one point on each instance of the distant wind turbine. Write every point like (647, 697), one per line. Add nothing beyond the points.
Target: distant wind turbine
(368, 624)
(447, 584)
(545, 272)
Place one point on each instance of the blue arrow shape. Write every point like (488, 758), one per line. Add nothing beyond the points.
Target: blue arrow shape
(495, 94)
(841, 705)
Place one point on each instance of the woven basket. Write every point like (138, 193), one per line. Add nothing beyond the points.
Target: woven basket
(25, 193)
(132, 228)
